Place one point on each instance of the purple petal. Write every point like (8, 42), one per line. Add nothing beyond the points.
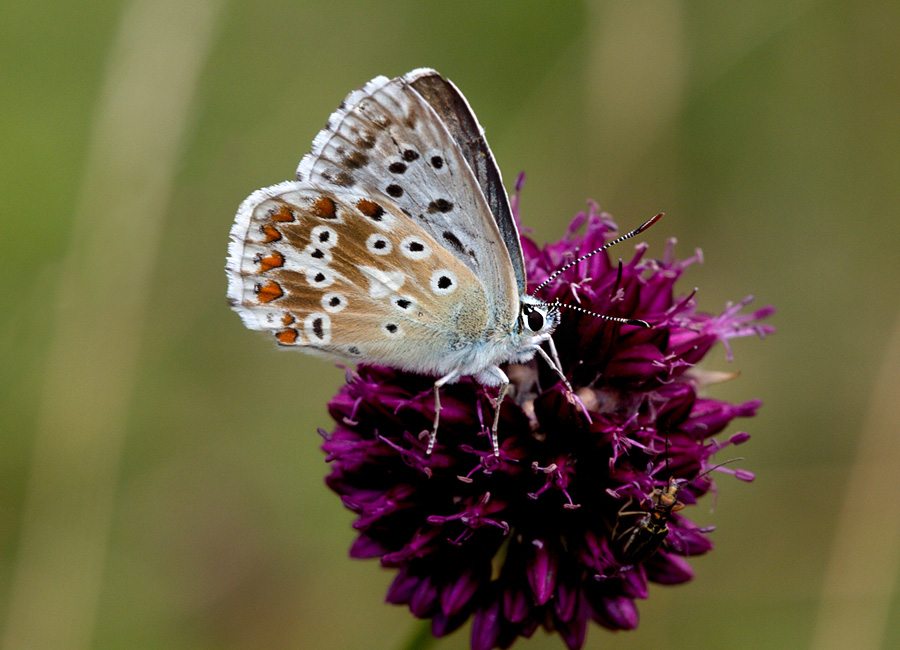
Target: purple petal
(486, 626)
(425, 599)
(541, 571)
(516, 605)
(364, 547)
(573, 632)
(617, 613)
(456, 594)
(673, 570)
(403, 587)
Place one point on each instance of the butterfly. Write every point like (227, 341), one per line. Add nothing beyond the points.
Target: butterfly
(395, 245)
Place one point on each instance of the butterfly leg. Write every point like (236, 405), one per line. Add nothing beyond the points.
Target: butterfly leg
(432, 438)
(504, 386)
(557, 363)
(554, 363)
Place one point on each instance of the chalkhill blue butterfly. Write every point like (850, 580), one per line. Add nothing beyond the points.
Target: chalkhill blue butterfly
(396, 245)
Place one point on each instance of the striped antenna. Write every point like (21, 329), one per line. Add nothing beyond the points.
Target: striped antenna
(626, 321)
(609, 244)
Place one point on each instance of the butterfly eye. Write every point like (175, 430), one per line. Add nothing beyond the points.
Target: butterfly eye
(535, 319)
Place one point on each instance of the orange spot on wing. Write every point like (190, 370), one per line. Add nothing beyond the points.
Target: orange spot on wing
(283, 214)
(367, 207)
(268, 292)
(270, 233)
(287, 337)
(272, 261)
(287, 319)
(324, 208)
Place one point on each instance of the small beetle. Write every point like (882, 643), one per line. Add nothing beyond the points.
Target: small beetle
(641, 541)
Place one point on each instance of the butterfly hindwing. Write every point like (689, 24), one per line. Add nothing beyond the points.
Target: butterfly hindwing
(305, 258)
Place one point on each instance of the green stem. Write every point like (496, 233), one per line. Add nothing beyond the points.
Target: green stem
(422, 638)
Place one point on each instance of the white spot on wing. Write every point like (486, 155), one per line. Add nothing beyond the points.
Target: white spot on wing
(324, 236)
(317, 321)
(443, 282)
(320, 277)
(403, 303)
(392, 330)
(333, 302)
(414, 248)
(378, 244)
(382, 283)
(311, 259)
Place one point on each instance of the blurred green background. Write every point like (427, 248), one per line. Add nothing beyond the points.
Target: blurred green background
(161, 475)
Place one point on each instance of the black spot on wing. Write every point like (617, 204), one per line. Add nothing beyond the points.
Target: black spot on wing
(454, 243)
(366, 140)
(339, 178)
(453, 240)
(440, 205)
(356, 159)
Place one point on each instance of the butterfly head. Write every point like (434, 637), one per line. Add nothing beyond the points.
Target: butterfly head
(537, 319)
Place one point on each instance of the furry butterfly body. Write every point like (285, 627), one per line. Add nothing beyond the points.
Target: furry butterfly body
(395, 245)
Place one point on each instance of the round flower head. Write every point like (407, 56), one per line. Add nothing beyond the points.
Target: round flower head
(560, 528)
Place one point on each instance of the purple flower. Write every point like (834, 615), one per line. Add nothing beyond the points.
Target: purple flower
(542, 535)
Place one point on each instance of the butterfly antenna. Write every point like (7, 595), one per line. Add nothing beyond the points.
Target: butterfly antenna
(609, 244)
(625, 321)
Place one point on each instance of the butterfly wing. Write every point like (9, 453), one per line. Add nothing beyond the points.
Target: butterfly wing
(387, 139)
(453, 109)
(303, 258)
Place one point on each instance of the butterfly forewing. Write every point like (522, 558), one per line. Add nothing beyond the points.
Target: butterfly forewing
(349, 274)
(387, 139)
(459, 119)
